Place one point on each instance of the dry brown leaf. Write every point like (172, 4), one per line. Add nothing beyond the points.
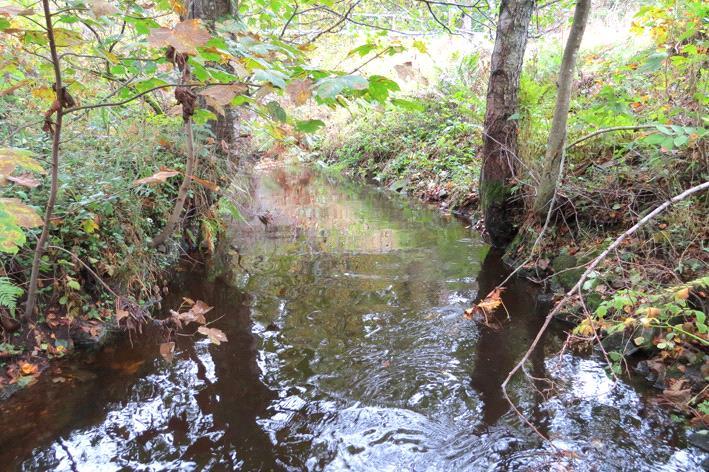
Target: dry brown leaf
(300, 91)
(167, 351)
(101, 8)
(28, 369)
(201, 308)
(26, 180)
(405, 70)
(157, 178)
(206, 183)
(218, 96)
(9, 10)
(215, 335)
(185, 37)
(120, 314)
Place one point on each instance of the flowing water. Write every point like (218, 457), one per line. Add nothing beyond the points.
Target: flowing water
(347, 351)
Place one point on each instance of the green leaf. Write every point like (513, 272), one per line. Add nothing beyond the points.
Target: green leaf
(148, 84)
(274, 77)
(380, 86)
(276, 111)
(362, 50)
(202, 116)
(309, 126)
(411, 105)
(332, 86)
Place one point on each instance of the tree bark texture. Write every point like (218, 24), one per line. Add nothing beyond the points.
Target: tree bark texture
(209, 11)
(499, 154)
(557, 136)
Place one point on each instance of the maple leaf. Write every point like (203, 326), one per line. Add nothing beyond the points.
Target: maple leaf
(215, 335)
(492, 301)
(185, 37)
(157, 178)
(405, 70)
(11, 158)
(300, 91)
(218, 96)
(23, 215)
(201, 308)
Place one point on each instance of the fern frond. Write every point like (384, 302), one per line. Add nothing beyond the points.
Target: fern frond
(9, 293)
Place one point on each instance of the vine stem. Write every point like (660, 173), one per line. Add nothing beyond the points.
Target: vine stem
(577, 288)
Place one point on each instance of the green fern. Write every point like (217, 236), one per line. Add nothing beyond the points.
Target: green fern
(9, 293)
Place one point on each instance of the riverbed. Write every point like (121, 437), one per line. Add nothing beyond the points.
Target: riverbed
(348, 350)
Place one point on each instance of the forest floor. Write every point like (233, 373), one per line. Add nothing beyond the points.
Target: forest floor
(103, 271)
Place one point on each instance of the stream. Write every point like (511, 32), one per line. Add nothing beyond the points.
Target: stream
(347, 351)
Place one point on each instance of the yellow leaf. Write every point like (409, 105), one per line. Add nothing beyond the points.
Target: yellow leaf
(682, 294)
(23, 215)
(66, 37)
(11, 158)
(28, 369)
(178, 7)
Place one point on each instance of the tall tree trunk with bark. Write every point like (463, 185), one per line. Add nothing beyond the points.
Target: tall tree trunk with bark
(557, 136)
(500, 132)
(209, 11)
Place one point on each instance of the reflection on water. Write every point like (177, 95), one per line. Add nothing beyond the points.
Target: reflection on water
(347, 350)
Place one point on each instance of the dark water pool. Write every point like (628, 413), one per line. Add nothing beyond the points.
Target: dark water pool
(347, 351)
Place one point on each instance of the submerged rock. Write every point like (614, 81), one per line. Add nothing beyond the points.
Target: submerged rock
(566, 270)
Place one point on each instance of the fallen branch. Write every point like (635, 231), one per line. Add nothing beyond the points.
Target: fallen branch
(577, 288)
(608, 130)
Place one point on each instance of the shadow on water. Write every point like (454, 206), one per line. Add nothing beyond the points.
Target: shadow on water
(347, 351)
(492, 363)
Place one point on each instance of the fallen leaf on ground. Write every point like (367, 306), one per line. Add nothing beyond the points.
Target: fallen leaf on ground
(28, 369)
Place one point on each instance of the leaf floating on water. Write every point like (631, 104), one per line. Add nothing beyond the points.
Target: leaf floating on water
(167, 351)
(215, 335)
(492, 301)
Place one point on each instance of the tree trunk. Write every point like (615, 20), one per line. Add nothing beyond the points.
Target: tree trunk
(174, 217)
(500, 132)
(557, 136)
(56, 140)
(210, 11)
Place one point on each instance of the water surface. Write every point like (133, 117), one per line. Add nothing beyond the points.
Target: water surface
(347, 351)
